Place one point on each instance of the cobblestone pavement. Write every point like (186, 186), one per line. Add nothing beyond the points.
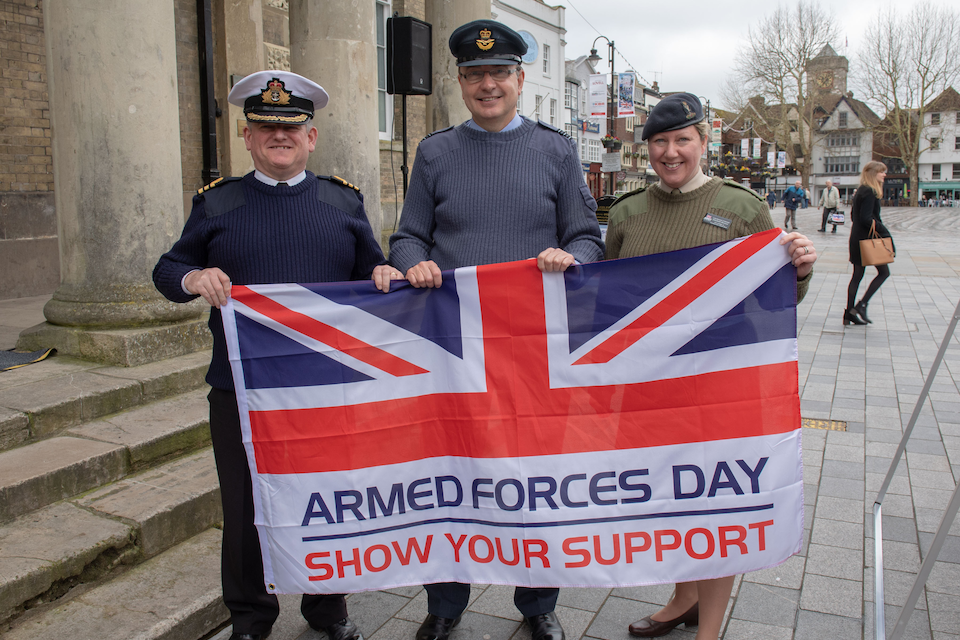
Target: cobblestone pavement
(867, 377)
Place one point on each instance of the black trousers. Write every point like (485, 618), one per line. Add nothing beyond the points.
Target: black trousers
(449, 599)
(826, 214)
(252, 609)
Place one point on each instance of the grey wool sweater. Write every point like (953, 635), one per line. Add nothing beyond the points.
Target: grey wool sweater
(477, 198)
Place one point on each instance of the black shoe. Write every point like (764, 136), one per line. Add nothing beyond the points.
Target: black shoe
(250, 636)
(545, 626)
(824, 230)
(795, 228)
(343, 630)
(436, 628)
(861, 309)
(850, 317)
(650, 628)
(834, 230)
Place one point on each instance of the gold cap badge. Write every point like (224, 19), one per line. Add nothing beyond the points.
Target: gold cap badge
(275, 93)
(485, 42)
(690, 113)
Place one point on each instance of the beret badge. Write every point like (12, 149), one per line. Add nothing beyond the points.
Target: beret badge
(275, 93)
(485, 43)
(688, 112)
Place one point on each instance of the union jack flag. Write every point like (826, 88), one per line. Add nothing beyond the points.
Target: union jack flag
(506, 372)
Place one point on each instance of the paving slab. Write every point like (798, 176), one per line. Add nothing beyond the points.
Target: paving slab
(157, 430)
(45, 472)
(173, 596)
(57, 544)
(169, 504)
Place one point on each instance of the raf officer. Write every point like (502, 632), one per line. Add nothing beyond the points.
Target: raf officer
(279, 223)
(497, 188)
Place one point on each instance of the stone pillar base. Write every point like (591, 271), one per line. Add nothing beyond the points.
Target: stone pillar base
(119, 347)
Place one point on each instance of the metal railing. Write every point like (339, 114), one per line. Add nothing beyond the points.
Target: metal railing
(942, 531)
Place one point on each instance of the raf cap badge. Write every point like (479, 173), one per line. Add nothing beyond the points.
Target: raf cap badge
(485, 42)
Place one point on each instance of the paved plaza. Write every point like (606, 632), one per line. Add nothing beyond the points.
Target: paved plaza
(869, 379)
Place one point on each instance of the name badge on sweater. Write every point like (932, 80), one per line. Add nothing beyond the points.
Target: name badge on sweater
(717, 221)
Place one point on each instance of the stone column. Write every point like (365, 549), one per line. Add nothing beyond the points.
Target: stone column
(445, 106)
(336, 47)
(112, 81)
(238, 53)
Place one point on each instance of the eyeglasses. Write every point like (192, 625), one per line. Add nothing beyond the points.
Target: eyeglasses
(475, 76)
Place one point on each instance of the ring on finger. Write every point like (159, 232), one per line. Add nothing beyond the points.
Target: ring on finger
(806, 250)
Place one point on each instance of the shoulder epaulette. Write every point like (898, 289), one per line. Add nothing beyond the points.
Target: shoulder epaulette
(339, 193)
(215, 183)
(340, 181)
(436, 132)
(550, 127)
(630, 193)
(734, 183)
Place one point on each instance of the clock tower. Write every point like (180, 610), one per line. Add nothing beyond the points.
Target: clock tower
(827, 72)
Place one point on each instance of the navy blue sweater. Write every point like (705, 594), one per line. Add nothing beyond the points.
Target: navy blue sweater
(315, 231)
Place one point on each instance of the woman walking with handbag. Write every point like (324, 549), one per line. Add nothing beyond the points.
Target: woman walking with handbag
(864, 222)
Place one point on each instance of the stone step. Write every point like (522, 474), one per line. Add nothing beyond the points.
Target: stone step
(94, 454)
(47, 553)
(174, 596)
(42, 400)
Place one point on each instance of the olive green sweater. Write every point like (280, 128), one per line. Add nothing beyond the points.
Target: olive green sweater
(650, 220)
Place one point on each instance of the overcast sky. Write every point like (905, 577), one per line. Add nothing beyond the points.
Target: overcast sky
(691, 45)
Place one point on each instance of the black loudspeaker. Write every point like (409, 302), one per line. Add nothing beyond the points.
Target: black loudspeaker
(409, 57)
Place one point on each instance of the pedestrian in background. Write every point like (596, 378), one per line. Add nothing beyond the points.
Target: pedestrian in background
(278, 223)
(687, 209)
(497, 188)
(829, 200)
(792, 198)
(865, 212)
(771, 199)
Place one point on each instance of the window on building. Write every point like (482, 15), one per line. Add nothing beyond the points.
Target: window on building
(894, 165)
(842, 119)
(570, 100)
(956, 142)
(842, 164)
(934, 118)
(538, 100)
(935, 169)
(593, 150)
(546, 60)
(843, 139)
(934, 144)
(571, 130)
(956, 171)
(630, 123)
(553, 112)
(384, 106)
(583, 149)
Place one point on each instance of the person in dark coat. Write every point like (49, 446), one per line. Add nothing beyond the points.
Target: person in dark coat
(865, 212)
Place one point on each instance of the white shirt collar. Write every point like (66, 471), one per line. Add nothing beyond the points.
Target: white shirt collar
(265, 179)
(695, 182)
(513, 124)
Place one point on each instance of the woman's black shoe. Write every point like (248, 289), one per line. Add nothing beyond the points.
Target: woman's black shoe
(850, 317)
(861, 308)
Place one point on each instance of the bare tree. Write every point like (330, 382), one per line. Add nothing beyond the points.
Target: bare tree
(905, 62)
(775, 64)
(733, 95)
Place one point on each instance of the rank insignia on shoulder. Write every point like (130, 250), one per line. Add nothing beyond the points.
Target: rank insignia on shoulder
(433, 133)
(717, 221)
(340, 181)
(209, 186)
(219, 182)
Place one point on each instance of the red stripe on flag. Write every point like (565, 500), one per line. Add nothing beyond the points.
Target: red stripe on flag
(717, 406)
(326, 334)
(679, 299)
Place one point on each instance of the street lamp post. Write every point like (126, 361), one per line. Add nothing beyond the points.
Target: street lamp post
(594, 59)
